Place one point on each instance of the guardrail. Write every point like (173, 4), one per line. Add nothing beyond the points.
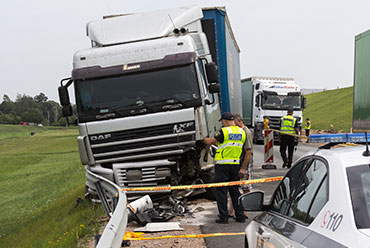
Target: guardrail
(114, 202)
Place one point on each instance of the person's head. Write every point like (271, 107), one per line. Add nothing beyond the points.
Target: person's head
(227, 119)
(307, 119)
(238, 120)
(290, 111)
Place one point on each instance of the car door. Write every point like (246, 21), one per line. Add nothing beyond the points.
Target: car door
(270, 226)
(294, 205)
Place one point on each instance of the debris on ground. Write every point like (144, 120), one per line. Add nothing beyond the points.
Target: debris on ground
(143, 211)
(160, 227)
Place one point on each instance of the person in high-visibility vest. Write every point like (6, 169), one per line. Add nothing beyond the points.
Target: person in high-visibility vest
(307, 127)
(230, 141)
(288, 125)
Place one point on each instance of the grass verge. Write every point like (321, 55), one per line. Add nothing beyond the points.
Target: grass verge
(41, 178)
(331, 107)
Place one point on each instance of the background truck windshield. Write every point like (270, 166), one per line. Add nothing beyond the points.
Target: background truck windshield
(281, 102)
(166, 86)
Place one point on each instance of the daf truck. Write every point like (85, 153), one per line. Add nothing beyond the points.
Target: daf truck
(148, 91)
(270, 97)
(361, 85)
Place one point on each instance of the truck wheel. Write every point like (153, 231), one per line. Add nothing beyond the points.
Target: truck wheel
(255, 137)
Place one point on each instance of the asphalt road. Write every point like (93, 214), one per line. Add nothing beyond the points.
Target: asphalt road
(238, 241)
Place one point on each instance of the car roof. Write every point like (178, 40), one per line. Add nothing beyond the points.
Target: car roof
(348, 155)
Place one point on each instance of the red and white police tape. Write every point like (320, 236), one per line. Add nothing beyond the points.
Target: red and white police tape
(208, 185)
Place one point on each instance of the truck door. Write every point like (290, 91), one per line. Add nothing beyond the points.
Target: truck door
(212, 109)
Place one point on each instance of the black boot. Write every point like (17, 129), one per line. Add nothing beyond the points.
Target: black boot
(285, 164)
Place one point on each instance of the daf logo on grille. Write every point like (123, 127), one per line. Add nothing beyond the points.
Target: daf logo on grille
(180, 128)
(105, 116)
(100, 137)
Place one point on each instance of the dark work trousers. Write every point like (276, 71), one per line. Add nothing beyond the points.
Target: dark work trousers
(227, 173)
(287, 141)
(307, 132)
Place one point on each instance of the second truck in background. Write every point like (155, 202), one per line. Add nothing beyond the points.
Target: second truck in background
(270, 97)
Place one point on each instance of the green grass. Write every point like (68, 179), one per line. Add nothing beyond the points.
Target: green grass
(41, 177)
(331, 107)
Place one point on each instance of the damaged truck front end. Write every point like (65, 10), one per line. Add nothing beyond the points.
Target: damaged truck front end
(143, 151)
(147, 95)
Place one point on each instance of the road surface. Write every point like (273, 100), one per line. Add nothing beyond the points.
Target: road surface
(209, 225)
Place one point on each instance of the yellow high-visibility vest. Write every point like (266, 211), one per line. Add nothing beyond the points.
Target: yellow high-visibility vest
(308, 125)
(288, 124)
(231, 149)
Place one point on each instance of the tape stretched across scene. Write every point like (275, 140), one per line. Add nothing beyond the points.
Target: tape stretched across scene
(208, 185)
(134, 236)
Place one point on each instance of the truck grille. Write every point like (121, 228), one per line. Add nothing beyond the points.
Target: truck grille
(274, 122)
(143, 174)
(142, 143)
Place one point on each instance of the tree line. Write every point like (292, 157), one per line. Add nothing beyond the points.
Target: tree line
(38, 109)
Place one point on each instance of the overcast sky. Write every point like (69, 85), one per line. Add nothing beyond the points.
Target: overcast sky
(312, 41)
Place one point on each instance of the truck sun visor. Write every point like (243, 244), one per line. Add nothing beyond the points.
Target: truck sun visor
(270, 93)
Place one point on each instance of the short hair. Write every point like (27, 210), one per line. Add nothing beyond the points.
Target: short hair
(238, 117)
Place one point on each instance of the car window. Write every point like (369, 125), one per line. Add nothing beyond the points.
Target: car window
(306, 191)
(359, 184)
(319, 202)
(285, 190)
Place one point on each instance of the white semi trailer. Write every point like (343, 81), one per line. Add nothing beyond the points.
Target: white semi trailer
(270, 97)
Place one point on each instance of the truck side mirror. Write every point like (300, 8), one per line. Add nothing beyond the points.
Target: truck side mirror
(63, 96)
(214, 88)
(67, 110)
(303, 102)
(212, 73)
(258, 100)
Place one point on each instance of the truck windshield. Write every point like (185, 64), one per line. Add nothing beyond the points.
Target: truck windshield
(173, 86)
(281, 102)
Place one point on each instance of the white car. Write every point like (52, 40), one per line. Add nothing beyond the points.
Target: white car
(323, 201)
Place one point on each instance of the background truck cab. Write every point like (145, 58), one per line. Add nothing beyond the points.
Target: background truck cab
(270, 97)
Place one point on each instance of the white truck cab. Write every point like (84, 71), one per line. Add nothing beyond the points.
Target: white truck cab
(148, 91)
(270, 97)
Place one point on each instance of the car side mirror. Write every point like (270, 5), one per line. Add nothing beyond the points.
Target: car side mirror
(212, 73)
(214, 88)
(63, 96)
(252, 201)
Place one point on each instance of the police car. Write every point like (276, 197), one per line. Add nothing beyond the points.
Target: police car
(323, 201)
